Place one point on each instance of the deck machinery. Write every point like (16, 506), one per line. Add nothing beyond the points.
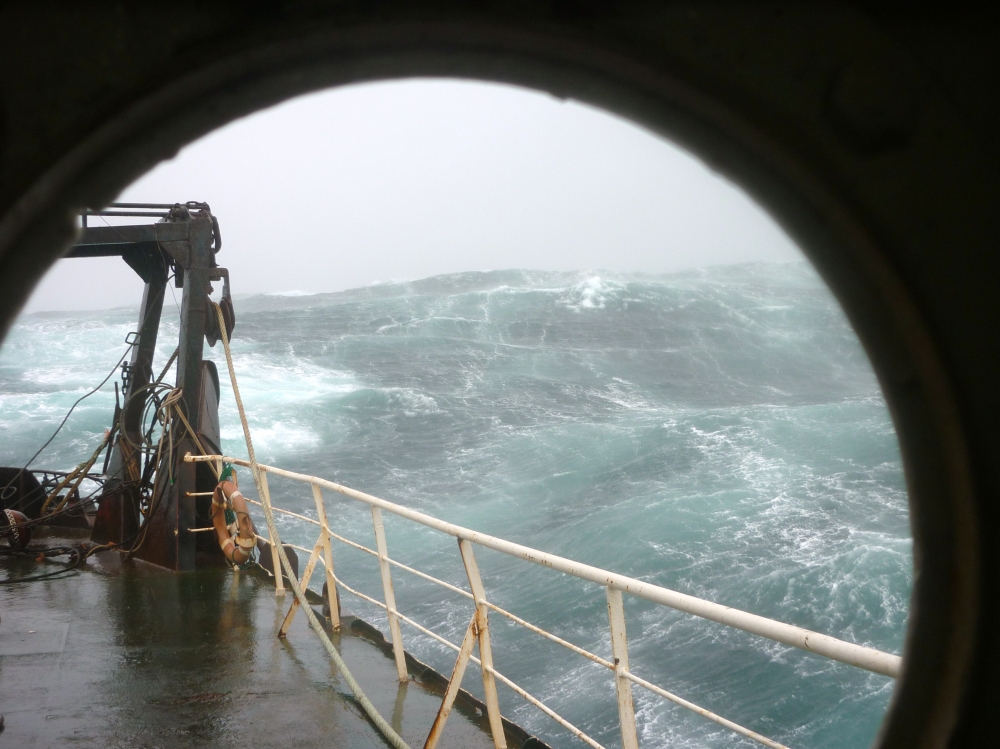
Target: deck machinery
(180, 246)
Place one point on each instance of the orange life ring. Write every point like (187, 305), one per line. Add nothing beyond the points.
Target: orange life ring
(240, 535)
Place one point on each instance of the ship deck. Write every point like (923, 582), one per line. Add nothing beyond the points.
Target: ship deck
(129, 655)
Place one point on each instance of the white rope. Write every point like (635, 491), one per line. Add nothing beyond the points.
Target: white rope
(384, 728)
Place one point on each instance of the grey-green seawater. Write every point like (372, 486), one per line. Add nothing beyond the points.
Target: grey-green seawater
(718, 432)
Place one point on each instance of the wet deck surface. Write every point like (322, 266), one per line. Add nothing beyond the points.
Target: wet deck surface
(141, 658)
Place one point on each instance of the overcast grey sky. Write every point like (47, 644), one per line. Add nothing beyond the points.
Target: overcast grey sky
(408, 179)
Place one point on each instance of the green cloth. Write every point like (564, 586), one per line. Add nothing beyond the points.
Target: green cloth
(227, 472)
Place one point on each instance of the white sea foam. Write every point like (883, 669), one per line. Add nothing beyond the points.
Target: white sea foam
(593, 293)
(412, 402)
(717, 432)
(279, 438)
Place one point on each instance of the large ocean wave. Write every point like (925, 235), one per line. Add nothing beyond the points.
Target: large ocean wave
(719, 432)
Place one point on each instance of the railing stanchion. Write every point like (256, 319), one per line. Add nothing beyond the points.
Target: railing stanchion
(455, 683)
(614, 584)
(304, 582)
(279, 580)
(390, 597)
(485, 650)
(623, 687)
(331, 581)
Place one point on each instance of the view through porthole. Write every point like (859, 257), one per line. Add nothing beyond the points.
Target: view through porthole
(530, 318)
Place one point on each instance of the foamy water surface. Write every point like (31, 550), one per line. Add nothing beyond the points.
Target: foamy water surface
(718, 432)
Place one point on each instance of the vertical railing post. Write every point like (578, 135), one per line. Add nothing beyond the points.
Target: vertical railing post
(623, 687)
(390, 597)
(331, 581)
(279, 580)
(304, 584)
(485, 649)
(455, 683)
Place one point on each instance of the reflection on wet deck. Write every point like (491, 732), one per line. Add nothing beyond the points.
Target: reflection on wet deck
(140, 658)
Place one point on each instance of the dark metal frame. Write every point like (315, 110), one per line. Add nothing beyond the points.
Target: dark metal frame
(869, 129)
(184, 241)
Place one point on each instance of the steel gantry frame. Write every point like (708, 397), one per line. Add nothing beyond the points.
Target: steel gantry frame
(182, 244)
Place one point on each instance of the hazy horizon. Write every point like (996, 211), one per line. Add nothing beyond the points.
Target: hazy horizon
(415, 178)
(291, 293)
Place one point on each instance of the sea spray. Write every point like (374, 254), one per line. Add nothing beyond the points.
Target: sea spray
(719, 432)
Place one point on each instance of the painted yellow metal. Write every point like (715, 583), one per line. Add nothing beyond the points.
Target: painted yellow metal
(455, 682)
(859, 656)
(485, 647)
(619, 651)
(615, 585)
(279, 581)
(304, 582)
(331, 581)
(390, 596)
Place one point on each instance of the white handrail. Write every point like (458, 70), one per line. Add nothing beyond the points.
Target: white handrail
(623, 676)
(558, 640)
(569, 646)
(859, 656)
(434, 636)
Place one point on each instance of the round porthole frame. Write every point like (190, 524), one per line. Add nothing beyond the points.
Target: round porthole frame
(846, 155)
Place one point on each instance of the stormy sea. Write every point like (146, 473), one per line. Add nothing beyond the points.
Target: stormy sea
(719, 432)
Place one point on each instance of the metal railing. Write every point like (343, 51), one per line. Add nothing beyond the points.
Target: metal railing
(478, 630)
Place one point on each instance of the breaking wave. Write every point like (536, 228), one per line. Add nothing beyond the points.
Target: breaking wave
(719, 432)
